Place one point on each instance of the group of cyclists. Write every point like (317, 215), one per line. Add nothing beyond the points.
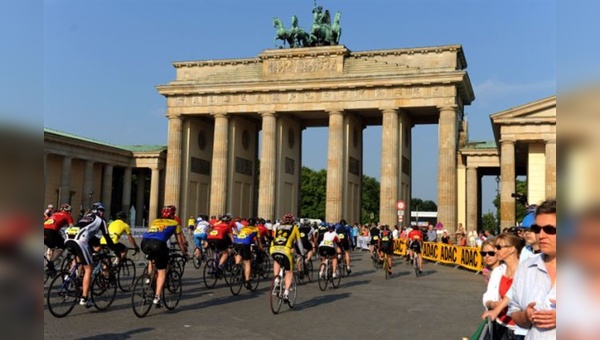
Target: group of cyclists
(284, 239)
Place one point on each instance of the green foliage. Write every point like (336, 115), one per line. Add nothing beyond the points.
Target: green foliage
(489, 222)
(418, 204)
(370, 199)
(520, 213)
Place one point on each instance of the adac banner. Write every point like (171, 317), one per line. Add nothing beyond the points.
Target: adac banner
(466, 257)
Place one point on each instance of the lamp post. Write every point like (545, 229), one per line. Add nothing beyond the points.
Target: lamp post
(499, 202)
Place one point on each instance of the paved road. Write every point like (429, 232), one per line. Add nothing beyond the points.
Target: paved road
(444, 303)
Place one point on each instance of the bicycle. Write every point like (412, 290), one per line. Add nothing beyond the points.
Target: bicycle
(264, 268)
(342, 265)
(236, 280)
(145, 286)
(176, 260)
(212, 273)
(276, 297)
(326, 274)
(65, 289)
(125, 270)
(50, 272)
(415, 262)
(386, 267)
(304, 269)
(203, 256)
(375, 258)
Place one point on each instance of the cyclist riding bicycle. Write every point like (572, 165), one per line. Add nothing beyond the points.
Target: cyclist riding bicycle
(374, 232)
(345, 235)
(154, 245)
(415, 244)
(386, 246)
(284, 237)
(200, 234)
(53, 238)
(329, 246)
(116, 229)
(89, 225)
(307, 236)
(242, 244)
(220, 237)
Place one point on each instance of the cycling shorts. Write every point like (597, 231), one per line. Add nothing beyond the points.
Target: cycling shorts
(345, 245)
(219, 244)
(81, 250)
(53, 239)
(156, 250)
(325, 251)
(198, 238)
(415, 246)
(374, 240)
(386, 248)
(120, 248)
(283, 256)
(243, 250)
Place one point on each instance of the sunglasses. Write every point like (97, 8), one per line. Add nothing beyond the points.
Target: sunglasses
(548, 229)
(487, 253)
(498, 247)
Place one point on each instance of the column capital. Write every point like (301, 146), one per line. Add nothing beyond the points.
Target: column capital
(174, 117)
(449, 107)
(333, 112)
(219, 115)
(507, 141)
(550, 141)
(389, 110)
(268, 114)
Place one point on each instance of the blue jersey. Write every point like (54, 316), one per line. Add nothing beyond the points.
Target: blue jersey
(162, 229)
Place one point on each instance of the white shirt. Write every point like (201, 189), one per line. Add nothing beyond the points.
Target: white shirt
(395, 234)
(201, 227)
(328, 239)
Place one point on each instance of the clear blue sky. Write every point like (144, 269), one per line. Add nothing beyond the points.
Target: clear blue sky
(102, 60)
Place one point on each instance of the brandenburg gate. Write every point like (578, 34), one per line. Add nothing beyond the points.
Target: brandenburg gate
(216, 109)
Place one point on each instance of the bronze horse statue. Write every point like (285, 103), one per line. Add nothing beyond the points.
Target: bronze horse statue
(299, 36)
(282, 34)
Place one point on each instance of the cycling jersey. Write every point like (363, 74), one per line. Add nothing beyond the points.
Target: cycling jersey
(330, 239)
(374, 232)
(201, 228)
(386, 238)
(89, 225)
(246, 235)
(320, 232)
(285, 235)
(344, 234)
(306, 235)
(58, 220)
(220, 231)
(115, 230)
(162, 229)
(415, 235)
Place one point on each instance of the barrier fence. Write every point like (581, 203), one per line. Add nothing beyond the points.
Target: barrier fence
(466, 257)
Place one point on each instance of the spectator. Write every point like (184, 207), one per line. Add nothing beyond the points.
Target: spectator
(533, 293)
(461, 240)
(490, 258)
(355, 235)
(402, 235)
(48, 212)
(396, 233)
(445, 237)
(508, 247)
(531, 243)
(431, 234)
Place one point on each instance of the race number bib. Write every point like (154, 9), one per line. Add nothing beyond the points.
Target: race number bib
(214, 233)
(376, 237)
(327, 243)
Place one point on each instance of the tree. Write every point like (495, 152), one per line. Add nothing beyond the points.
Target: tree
(313, 193)
(370, 199)
(521, 188)
(418, 204)
(489, 222)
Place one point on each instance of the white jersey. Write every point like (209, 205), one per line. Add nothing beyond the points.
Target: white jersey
(89, 226)
(201, 228)
(330, 239)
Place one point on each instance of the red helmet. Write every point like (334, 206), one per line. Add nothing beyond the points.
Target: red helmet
(288, 219)
(168, 211)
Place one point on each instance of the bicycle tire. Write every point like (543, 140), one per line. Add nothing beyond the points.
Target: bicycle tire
(104, 290)
(197, 261)
(323, 279)
(276, 294)
(292, 295)
(65, 266)
(141, 296)
(236, 279)
(265, 266)
(309, 272)
(254, 278)
(416, 265)
(335, 281)
(126, 275)
(386, 268)
(62, 296)
(209, 275)
(172, 290)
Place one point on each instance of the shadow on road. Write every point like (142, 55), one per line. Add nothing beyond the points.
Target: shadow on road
(320, 300)
(118, 336)
(354, 283)
(361, 273)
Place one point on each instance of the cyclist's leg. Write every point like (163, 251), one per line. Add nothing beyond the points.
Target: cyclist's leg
(289, 274)
(347, 255)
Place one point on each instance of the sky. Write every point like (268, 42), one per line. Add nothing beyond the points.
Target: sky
(101, 61)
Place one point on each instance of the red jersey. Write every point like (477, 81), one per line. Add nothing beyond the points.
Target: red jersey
(415, 234)
(219, 231)
(262, 230)
(58, 220)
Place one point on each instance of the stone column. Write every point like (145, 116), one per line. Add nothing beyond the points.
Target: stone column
(65, 181)
(447, 174)
(126, 199)
(173, 171)
(107, 179)
(507, 183)
(550, 169)
(140, 197)
(218, 178)
(154, 182)
(88, 184)
(335, 167)
(389, 167)
(268, 157)
(472, 201)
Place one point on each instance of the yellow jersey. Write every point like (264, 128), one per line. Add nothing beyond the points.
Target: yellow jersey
(115, 230)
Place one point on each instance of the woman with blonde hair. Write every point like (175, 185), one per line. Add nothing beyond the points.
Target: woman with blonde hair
(489, 257)
(508, 250)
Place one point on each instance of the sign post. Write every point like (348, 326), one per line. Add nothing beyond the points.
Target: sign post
(400, 205)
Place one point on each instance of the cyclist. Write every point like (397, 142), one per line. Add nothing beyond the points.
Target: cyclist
(329, 246)
(321, 230)
(386, 245)
(284, 236)
(89, 225)
(191, 225)
(415, 238)
(116, 229)
(242, 244)
(220, 237)
(154, 245)
(344, 233)
(49, 211)
(374, 232)
(200, 234)
(307, 236)
(52, 236)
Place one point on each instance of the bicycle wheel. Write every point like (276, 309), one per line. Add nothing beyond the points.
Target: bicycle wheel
(323, 277)
(375, 259)
(386, 268)
(308, 270)
(65, 266)
(197, 260)
(265, 266)
(126, 275)
(172, 290)
(142, 295)
(276, 294)
(416, 266)
(335, 281)
(236, 279)
(209, 275)
(104, 290)
(292, 295)
(254, 278)
(63, 295)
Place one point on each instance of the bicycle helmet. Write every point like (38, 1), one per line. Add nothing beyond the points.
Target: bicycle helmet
(168, 211)
(226, 217)
(121, 215)
(288, 219)
(252, 221)
(65, 207)
(98, 206)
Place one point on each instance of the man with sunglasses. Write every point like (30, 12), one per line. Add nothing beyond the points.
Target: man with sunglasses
(533, 293)
(531, 243)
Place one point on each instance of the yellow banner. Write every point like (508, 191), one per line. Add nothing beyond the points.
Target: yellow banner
(466, 257)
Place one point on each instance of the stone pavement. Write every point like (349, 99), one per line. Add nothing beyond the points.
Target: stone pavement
(444, 303)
